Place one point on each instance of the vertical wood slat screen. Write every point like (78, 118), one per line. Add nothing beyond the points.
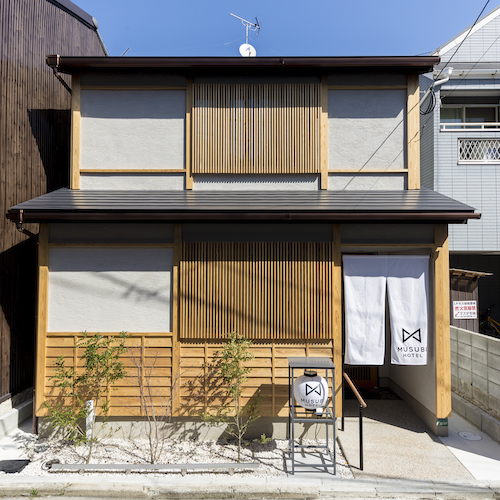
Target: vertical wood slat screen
(256, 128)
(259, 290)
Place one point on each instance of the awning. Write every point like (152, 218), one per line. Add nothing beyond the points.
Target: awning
(66, 205)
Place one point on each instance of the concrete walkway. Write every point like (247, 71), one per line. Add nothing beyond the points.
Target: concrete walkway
(478, 479)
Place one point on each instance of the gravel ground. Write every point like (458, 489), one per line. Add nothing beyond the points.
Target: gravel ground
(271, 455)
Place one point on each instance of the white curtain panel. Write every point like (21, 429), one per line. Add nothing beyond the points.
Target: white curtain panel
(364, 298)
(408, 294)
(366, 279)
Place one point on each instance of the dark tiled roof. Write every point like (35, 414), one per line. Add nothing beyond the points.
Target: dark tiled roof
(77, 205)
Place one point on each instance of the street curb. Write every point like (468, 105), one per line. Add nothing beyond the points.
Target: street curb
(289, 488)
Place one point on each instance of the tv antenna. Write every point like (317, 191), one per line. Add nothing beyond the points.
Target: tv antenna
(247, 50)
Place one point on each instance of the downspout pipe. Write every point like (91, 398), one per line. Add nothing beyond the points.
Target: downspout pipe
(437, 83)
(21, 229)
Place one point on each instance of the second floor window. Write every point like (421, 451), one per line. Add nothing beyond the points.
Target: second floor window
(256, 128)
(475, 117)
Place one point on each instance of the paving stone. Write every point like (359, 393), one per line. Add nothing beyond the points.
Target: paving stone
(494, 346)
(479, 369)
(464, 350)
(464, 337)
(479, 341)
(12, 466)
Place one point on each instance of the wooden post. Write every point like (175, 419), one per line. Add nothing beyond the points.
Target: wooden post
(413, 131)
(176, 347)
(337, 317)
(189, 133)
(442, 321)
(76, 118)
(43, 298)
(323, 131)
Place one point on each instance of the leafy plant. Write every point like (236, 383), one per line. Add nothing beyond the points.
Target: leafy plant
(231, 366)
(157, 414)
(263, 439)
(101, 369)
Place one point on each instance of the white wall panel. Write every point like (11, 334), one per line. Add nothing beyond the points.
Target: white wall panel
(133, 182)
(366, 182)
(110, 289)
(133, 129)
(366, 129)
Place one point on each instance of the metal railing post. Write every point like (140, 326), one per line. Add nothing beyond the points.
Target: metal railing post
(361, 437)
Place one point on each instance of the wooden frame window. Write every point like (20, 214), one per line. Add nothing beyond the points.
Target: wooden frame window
(259, 290)
(256, 128)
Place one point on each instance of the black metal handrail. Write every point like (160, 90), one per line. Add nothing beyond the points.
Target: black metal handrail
(362, 405)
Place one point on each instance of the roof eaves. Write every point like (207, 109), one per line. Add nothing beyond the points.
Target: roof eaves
(456, 40)
(417, 64)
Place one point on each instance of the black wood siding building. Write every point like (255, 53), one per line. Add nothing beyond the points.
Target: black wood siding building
(34, 155)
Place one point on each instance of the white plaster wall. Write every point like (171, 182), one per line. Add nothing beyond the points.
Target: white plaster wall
(110, 289)
(133, 182)
(256, 182)
(366, 182)
(366, 129)
(133, 129)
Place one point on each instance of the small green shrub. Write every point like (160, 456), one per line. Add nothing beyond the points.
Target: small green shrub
(101, 369)
(231, 366)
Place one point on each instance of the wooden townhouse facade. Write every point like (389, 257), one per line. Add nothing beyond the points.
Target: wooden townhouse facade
(218, 195)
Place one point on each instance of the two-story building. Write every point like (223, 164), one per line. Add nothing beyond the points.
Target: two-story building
(461, 146)
(217, 195)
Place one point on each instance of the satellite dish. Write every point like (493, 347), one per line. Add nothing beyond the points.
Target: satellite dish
(246, 50)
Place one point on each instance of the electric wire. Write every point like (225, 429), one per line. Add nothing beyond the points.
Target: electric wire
(432, 96)
(473, 66)
(465, 38)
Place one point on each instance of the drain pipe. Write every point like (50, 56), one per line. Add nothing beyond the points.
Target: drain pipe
(449, 71)
(21, 229)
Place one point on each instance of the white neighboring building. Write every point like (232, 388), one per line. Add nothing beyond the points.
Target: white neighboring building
(460, 146)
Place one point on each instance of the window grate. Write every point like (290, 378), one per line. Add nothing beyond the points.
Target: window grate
(479, 150)
(256, 129)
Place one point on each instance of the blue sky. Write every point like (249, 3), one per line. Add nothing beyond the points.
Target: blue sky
(289, 28)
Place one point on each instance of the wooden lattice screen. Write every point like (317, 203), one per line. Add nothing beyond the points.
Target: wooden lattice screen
(260, 128)
(259, 290)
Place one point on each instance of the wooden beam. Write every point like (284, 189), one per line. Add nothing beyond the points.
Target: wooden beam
(367, 87)
(337, 317)
(323, 131)
(132, 87)
(42, 316)
(176, 346)
(413, 132)
(368, 171)
(132, 171)
(442, 321)
(76, 119)
(189, 134)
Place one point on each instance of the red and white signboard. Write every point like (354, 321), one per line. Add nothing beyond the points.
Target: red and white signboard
(464, 309)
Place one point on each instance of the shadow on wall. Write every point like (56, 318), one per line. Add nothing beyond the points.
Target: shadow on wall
(17, 327)
(51, 130)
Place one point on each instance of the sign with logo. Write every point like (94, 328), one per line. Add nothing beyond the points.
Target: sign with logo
(464, 309)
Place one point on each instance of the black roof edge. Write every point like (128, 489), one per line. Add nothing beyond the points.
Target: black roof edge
(409, 64)
(76, 12)
(192, 216)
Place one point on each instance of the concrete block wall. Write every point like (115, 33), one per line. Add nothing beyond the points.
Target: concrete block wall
(475, 368)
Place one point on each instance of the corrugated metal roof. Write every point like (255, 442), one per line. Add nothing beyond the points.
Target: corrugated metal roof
(77, 205)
